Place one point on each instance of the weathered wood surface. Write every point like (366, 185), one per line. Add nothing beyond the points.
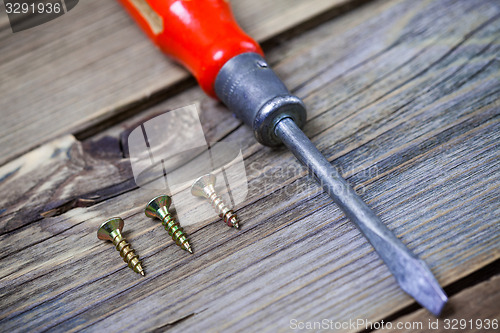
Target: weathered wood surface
(4, 20)
(101, 65)
(404, 97)
(478, 304)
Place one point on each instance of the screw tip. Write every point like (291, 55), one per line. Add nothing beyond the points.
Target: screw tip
(138, 268)
(187, 247)
(232, 219)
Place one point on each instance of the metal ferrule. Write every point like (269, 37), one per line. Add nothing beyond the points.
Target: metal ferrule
(251, 89)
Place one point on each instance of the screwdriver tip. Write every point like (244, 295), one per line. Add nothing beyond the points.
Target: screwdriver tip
(423, 287)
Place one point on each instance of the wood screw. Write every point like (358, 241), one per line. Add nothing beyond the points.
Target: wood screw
(112, 230)
(205, 187)
(158, 208)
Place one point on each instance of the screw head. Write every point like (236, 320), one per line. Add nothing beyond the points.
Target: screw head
(158, 205)
(199, 185)
(105, 230)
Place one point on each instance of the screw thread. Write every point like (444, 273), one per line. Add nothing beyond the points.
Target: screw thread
(128, 254)
(176, 232)
(224, 212)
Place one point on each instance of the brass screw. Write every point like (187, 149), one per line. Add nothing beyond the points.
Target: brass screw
(111, 230)
(205, 187)
(158, 208)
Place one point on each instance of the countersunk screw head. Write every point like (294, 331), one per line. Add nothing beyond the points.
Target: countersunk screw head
(105, 230)
(203, 186)
(158, 207)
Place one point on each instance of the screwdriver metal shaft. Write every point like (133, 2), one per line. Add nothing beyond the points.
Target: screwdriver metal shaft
(411, 273)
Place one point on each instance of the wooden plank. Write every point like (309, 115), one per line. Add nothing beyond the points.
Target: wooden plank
(332, 276)
(475, 309)
(93, 63)
(216, 121)
(57, 176)
(4, 20)
(425, 117)
(83, 173)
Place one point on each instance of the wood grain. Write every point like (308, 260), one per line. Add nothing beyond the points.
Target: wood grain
(4, 19)
(94, 63)
(57, 177)
(403, 98)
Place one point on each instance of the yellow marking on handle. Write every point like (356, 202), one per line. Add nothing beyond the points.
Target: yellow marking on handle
(154, 20)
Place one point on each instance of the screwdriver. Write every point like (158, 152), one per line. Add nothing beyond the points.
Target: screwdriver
(203, 36)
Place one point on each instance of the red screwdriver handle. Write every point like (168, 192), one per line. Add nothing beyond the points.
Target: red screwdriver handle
(202, 35)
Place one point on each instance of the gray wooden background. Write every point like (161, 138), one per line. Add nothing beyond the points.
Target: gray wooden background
(403, 96)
